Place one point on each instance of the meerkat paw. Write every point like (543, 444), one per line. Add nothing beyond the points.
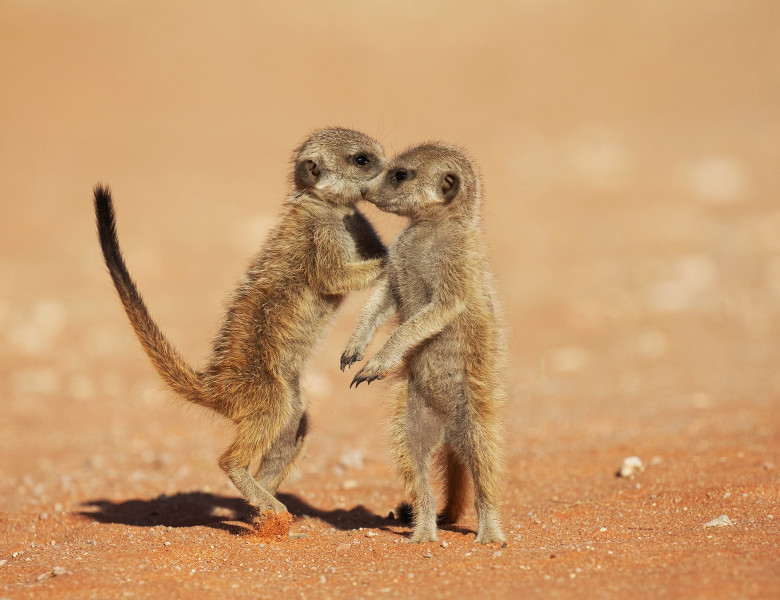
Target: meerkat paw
(491, 536)
(268, 505)
(422, 536)
(374, 369)
(350, 357)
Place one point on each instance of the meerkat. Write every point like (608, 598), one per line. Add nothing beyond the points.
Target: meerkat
(321, 248)
(449, 341)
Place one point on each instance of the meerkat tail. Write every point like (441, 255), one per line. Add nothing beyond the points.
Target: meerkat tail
(179, 376)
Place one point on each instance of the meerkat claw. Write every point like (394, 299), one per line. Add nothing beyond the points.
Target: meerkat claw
(375, 377)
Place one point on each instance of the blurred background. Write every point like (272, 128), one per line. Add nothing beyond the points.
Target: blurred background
(630, 156)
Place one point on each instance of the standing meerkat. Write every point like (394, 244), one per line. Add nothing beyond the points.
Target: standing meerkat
(321, 249)
(448, 341)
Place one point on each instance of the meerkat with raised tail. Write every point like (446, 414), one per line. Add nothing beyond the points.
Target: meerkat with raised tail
(321, 248)
(449, 341)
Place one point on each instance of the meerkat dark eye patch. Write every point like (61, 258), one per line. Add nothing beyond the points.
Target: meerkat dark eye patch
(361, 160)
(398, 176)
(450, 186)
(306, 173)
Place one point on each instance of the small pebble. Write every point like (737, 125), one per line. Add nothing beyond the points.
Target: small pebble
(630, 466)
(370, 534)
(444, 544)
(428, 554)
(166, 543)
(721, 521)
(57, 571)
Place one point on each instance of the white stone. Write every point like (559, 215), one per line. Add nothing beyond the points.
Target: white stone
(630, 466)
(721, 521)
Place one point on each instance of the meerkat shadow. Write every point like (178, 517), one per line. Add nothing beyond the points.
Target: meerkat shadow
(190, 509)
(339, 518)
(231, 514)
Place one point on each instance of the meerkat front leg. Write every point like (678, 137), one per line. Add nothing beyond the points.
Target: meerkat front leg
(379, 308)
(421, 326)
(334, 272)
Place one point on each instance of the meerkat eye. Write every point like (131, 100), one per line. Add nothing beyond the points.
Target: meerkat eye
(400, 175)
(361, 160)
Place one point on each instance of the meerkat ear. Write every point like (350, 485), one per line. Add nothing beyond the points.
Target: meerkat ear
(307, 173)
(450, 186)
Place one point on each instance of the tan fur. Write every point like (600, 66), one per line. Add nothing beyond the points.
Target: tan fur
(321, 249)
(449, 342)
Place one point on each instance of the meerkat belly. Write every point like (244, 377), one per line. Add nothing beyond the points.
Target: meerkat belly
(438, 369)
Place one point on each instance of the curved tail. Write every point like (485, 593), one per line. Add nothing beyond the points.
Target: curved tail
(182, 379)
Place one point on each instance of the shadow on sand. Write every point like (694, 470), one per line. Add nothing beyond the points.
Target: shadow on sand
(193, 509)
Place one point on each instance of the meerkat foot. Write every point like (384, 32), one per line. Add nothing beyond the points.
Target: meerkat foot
(272, 505)
(490, 535)
(423, 535)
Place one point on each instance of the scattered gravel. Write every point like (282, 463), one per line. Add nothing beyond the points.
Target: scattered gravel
(721, 521)
(630, 466)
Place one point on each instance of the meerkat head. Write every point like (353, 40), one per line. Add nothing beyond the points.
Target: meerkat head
(336, 164)
(428, 179)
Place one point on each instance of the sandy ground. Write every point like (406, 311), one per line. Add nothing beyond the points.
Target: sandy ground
(630, 155)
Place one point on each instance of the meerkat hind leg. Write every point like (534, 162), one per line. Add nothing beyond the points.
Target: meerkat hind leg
(283, 452)
(482, 456)
(235, 462)
(423, 433)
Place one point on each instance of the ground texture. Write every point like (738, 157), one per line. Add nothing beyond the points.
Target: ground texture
(630, 156)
